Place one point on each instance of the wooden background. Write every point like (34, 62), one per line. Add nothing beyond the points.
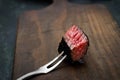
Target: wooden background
(40, 31)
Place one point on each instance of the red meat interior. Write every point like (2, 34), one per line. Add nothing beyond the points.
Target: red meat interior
(77, 41)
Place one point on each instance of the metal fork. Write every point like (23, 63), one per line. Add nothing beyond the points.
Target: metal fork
(46, 68)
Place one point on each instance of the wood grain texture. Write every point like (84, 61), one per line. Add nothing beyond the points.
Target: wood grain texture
(40, 31)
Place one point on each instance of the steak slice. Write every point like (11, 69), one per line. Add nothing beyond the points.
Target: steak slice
(74, 43)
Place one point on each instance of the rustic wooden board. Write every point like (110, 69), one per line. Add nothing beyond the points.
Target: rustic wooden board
(40, 31)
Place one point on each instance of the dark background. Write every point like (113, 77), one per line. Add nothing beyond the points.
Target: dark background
(9, 13)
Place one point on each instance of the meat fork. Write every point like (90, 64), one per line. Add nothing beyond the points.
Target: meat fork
(46, 68)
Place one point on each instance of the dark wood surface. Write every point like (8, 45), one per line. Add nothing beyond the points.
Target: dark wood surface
(40, 31)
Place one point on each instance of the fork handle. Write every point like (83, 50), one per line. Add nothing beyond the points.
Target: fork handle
(29, 74)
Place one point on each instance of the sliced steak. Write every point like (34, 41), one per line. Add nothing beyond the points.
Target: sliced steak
(74, 43)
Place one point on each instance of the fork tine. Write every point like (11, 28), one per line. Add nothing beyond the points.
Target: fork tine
(54, 66)
(54, 59)
(44, 69)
